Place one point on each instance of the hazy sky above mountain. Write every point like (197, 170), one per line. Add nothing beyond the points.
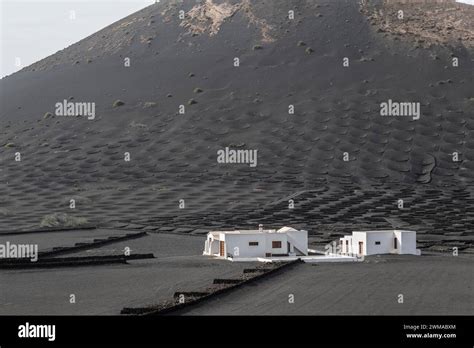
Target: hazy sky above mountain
(34, 29)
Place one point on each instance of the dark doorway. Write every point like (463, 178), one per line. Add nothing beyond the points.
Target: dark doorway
(221, 248)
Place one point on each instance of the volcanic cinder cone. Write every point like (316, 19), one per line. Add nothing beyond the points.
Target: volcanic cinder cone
(305, 93)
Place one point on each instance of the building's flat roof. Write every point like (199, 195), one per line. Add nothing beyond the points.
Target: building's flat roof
(281, 230)
(382, 231)
(246, 231)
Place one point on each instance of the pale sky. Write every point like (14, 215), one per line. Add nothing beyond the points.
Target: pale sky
(31, 30)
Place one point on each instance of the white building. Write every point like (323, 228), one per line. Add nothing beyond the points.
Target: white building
(379, 242)
(253, 244)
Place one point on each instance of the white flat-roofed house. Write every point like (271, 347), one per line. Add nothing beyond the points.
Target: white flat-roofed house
(379, 242)
(252, 244)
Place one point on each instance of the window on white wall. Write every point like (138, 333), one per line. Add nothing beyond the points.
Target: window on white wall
(377, 243)
(276, 244)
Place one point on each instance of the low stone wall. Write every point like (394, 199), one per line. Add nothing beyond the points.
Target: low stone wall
(185, 299)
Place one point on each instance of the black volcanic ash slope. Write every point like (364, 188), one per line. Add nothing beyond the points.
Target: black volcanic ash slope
(283, 62)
